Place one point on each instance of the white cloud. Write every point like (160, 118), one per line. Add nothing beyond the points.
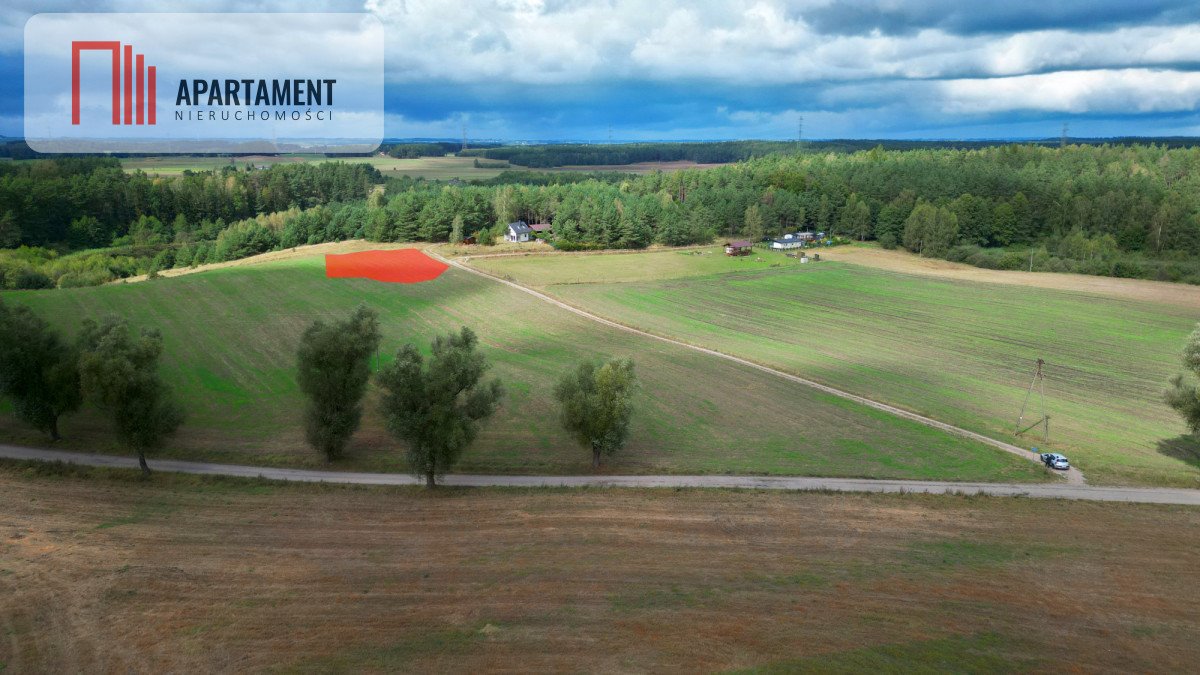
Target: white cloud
(1092, 91)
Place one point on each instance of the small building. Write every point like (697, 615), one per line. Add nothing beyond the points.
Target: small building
(518, 232)
(739, 247)
(792, 240)
(541, 230)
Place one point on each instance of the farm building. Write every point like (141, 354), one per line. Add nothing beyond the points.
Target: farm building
(739, 247)
(518, 232)
(792, 240)
(540, 230)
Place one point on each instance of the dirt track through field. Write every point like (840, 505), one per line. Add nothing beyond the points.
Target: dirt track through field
(1040, 490)
(1073, 476)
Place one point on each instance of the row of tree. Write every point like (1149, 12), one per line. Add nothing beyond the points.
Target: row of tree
(45, 377)
(435, 406)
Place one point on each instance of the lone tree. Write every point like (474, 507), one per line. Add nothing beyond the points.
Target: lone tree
(1183, 396)
(333, 366)
(597, 404)
(436, 410)
(38, 371)
(120, 373)
(752, 223)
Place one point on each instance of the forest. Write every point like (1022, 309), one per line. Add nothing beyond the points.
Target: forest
(724, 152)
(1120, 210)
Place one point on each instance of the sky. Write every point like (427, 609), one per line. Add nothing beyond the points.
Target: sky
(560, 70)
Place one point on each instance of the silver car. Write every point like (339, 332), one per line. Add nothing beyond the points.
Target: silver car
(1056, 461)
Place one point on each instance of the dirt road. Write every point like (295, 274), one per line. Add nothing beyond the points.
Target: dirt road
(1041, 490)
(1073, 476)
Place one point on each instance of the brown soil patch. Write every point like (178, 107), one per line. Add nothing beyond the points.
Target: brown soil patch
(1181, 295)
(182, 574)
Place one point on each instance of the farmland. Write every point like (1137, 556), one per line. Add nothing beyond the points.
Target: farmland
(103, 572)
(431, 168)
(955, 350)
(231, 335)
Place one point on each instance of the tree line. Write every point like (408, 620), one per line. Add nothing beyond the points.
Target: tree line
(1118, 210)
(78, 203)
(434, 406)
(45, 378)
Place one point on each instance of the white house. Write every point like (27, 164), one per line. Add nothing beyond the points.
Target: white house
(518, 232)
(794, 240)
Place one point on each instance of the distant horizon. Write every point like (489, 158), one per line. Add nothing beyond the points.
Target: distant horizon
(618, 141)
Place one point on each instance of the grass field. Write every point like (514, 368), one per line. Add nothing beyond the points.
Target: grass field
(958, 351)
(432, 168)
(106, 573)
(231, 336)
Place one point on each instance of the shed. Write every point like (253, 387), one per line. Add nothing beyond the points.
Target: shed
(742, 247)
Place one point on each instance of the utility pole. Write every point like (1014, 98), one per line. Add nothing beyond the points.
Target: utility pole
(610, 134)
(1062, 141)
(800, 130)
(1044, 420)
(464, 143)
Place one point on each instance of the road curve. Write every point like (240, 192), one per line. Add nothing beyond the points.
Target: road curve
(1039, 490)
(1073, 476)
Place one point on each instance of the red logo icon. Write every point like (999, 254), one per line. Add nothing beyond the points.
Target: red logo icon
(144, 82)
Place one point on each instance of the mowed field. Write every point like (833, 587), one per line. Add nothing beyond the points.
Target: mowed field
(108, 573)
(231, 336)
(955, 350)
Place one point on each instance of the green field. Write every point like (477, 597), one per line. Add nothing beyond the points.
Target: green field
(432, 168)
(231, 336)
(956, 351)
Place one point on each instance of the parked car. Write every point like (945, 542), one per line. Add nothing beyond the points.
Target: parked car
(1054, 460)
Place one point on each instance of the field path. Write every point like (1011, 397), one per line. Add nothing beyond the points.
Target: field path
(1039, 490)
(1073, 476)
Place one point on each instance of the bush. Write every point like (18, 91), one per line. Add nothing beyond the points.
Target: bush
(577, 246)
(1128, 269)
(888, 241)
(85, 278)
(1012, 260)
(28, 278)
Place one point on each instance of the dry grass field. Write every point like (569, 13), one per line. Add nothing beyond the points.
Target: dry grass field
(102, 572)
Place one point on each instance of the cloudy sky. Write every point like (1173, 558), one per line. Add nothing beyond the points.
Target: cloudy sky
(693, 69)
